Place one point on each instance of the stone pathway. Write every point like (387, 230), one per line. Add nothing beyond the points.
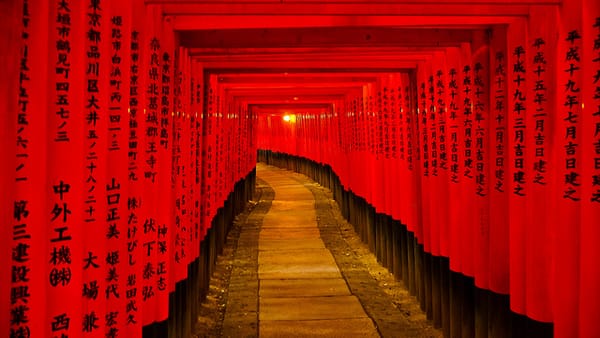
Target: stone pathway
(297, 269)
(301, 289)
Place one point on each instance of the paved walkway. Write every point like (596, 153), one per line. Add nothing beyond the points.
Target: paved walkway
(295, 268)
(301, 289)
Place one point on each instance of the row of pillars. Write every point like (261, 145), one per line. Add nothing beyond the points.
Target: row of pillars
(451, 300)
(185, 302)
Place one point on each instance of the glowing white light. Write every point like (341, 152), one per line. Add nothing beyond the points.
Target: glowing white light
(286, 118)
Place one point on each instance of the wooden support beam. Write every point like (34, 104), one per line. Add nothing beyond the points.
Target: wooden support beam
(303, 66)
(325, 37)
(293, 79)
(275, 50)
(480, 8)
(184, 22)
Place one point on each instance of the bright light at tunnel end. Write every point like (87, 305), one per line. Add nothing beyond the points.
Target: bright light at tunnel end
(290, 118)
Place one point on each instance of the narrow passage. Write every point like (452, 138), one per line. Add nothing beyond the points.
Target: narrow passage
(301, 289)
(292, 272)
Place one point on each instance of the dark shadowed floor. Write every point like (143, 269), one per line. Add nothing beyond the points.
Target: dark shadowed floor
(293, 267)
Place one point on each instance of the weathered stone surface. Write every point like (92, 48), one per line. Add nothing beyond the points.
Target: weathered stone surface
(310, 308)
(297, 269)
(299, 283)
(347, 328)
(313, 287)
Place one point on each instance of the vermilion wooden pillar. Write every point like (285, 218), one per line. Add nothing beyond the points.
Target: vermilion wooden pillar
(568, 157)
(498, 158)
(517, 86)
(589, 317)
(541, 114)
(9, 56)
(136, 109)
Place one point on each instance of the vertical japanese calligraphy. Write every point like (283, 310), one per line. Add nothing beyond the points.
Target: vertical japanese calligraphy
(595, 110)
(500, 121)
(90, 142)
(441, 207)
(466, 106)
(122, 145)
(65, 184)
(540, 113)
(23, 206)
(9, 88)
(134, 257)
(571, 113)
(569, 154)
(517, 45)
(151, 226)
(499, 175)
(519, 109)
(590, 232)
(411, 144)
(481, 122)
(455, 142)
(97, 271)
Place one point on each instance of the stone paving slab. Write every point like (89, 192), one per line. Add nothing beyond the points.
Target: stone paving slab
(310, 308)
(347, 328)
(288, 234)
(297, 271)
(302, 291)
(313, 287)
(274, 292)
(289, 220)
(307, 256)
(308, 205)
(285, 264)
(289, 244)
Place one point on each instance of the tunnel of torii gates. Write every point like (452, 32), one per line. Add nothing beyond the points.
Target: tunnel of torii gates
(130, 132)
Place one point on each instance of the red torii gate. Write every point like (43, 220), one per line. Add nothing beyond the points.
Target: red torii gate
(109, 103)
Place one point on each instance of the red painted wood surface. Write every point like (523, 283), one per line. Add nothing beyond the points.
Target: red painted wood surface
(475, 125)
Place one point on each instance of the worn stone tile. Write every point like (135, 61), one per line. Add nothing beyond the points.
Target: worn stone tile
(310, 308)
(347, 328)
(312, 287)
(297, 233)
(291, 244)
(294, 275)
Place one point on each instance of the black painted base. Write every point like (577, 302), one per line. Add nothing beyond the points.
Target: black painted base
(450, 300)
(185, 301)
